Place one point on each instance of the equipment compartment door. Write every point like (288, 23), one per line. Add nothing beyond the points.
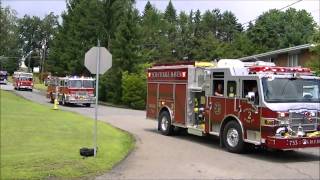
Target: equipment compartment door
(152, 100)
(180, 104)
(218, 109)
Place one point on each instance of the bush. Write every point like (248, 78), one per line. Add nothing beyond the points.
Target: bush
(134, 90)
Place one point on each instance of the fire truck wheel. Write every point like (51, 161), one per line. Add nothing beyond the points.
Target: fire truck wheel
(232, 137)
(165, 123)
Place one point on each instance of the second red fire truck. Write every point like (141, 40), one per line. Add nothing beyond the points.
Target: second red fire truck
(71, 90)
(242, 103)
(22, 80)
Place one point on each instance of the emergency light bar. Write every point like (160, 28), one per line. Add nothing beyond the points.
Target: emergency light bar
(261, 69)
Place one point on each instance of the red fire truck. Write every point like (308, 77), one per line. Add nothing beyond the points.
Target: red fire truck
(242, 103)
(23, 80)
(71, 90)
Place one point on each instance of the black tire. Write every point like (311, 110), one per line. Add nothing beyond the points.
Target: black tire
(232, 137)
(87, 104)
(164, 123)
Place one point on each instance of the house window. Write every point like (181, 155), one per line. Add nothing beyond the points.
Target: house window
(293, 60)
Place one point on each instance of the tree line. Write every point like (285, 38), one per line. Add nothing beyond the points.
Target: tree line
(138, 39)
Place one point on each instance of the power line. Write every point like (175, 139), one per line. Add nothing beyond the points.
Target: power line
(278, 9)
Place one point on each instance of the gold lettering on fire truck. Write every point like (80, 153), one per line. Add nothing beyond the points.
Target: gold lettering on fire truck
(167, 74)
(217, 108)
(248, 118)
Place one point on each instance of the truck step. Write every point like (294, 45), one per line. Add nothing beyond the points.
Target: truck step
(195, 131)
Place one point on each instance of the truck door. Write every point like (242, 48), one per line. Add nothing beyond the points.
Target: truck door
(218, 102)
(232, 97)
(249, 109)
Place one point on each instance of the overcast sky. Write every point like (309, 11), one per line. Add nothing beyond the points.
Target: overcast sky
(245, 10)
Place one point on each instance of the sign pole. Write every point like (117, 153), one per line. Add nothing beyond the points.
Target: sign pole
(97, 60)
(97, 95)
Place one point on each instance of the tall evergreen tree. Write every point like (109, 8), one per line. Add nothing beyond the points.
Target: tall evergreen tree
(228, 26)
(126, 52)
(170, 13)
(9, 42)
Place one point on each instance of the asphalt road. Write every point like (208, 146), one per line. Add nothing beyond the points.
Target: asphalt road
(191, 157)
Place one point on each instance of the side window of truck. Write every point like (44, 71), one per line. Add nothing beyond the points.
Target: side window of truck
(218, 88)
(252, 87)
(231, 89)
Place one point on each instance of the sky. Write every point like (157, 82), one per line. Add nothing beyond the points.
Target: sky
(245, 10)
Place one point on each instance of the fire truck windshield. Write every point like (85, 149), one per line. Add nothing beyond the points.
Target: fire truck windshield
(88, 83)
(25, 79)
(81, 83)
(75, 83)
(291, 90)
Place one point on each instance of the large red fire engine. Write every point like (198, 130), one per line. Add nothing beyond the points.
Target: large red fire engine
(242, 103)
(71, 90)
(23, 80)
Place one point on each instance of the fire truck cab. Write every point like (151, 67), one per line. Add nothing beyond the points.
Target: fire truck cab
(71, 90)
(23, 80)
(241, 103)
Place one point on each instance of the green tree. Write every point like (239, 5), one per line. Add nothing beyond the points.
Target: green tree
(36, 36)
(133, 90)
(314, 62)
(126, 52)
(83, 23)
(170, 13)
(276, 29)
(228, 27)
(30, 38)
(152, 41)
(49, 27)
(184, 34)
(134, 87)
(9, 50)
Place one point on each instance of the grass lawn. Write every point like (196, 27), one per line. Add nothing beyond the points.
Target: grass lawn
(40, 143)
(40, 87)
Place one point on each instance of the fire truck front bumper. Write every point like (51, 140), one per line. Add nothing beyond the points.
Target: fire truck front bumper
(25, 87)
(81, 100)
(292, 142)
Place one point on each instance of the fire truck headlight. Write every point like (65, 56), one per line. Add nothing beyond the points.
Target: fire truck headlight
(283, 114)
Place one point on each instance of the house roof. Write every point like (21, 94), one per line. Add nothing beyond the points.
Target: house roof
(275, 52)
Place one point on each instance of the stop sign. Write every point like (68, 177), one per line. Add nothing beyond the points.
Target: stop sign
(90, 60)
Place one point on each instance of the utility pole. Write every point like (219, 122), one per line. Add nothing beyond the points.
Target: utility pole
(43, 59)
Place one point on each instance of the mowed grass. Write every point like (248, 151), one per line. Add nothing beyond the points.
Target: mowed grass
(40, 143)
(40, 87)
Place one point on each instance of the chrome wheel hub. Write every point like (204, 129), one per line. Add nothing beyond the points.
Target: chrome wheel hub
(232, 137)
(164, 123)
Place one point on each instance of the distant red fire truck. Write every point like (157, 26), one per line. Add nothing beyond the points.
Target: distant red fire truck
(71, 90)
(23, 80)
(242, 103)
